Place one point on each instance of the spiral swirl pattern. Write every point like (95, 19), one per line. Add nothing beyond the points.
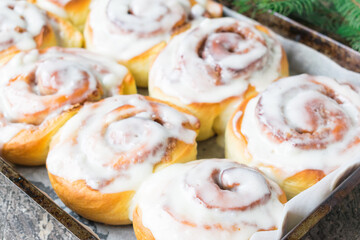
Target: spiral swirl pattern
(125, 29)
(217, 60)
(227, 188)
(115, 143)
(146, 18)
(206, 199)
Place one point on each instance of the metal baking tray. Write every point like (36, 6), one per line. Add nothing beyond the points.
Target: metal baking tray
(343, 55)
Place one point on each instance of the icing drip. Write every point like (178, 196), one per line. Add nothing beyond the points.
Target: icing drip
(216, 60)
(115, 143)
(54, 6)
(20, 23)
(61, 2)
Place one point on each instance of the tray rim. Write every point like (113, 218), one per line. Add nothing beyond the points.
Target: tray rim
(340, 53)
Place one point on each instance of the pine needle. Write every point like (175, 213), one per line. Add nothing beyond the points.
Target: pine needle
(341, 17)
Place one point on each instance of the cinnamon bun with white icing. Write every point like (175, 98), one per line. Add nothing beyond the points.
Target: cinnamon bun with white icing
(297, 131)
(99, 158)
(214, 66)
(207, 199)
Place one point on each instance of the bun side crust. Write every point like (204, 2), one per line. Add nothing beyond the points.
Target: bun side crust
(141, 232)
(30, 146)
(91, 204)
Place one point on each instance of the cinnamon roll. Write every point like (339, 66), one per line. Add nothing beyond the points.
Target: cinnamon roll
(41, 89)
(75, 11)
(297, 131)
(99, 158)
(207, 199)
(212, 67)
(135, 31)
(23, 26)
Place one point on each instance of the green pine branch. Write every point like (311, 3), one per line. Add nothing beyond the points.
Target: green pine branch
(340, 17)
(284, 7)
(350, 11)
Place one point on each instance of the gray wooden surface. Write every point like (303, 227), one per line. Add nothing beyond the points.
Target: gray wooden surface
(22, 218)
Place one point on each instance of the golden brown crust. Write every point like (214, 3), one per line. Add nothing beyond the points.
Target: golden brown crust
(284, 65)
(68, 36)
(236, 145)
(139, 66)
(78, 11)
(301, 181)
(141, 232)
(207, 113)
(112, 208)
(46, 38)
(128, 86)
(30, 146)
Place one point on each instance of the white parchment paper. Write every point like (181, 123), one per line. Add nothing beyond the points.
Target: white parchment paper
(302, 59)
